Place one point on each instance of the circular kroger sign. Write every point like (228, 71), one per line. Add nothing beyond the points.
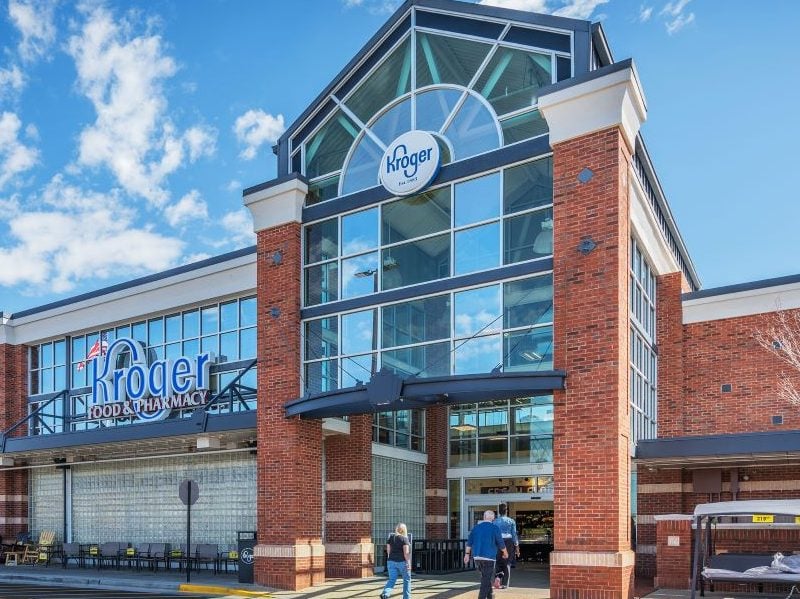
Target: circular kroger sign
(410, 163)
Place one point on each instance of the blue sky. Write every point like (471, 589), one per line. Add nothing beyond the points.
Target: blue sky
(129, 129)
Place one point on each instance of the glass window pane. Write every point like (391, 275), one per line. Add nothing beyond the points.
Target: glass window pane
(358, 332)
(361, 171)
(78, 349)
(229, 315)
(528, 301)
(357, 369)
(210, 344)
(531, 450)
(247, 343)
(173, 327)
(528, 236)
(477, 200)
(478, 355)
(463, 452)
(359, 232)
(389, 81)
(473, 130)
(322, 283)
(493, 421)
(47, 380)
(528, 186)
(60, 352)
(360, 275)
(477, 248)
(229, 346)
(247, 312)
(523, 126)
(172, 351)
(529, 350)
(532, 416)
(416, 262)
(47, 354)
(322, 241)
(210, 320)
(436, 62)
(322, 190)
(326, 150)
(419, 360)
(394, 122)
(191, 348)
(321, 376)
(78, 377)
(512, 79)
(433, 108)
(60, 378)
(477, 310)
(191, 324)
(419, 215)
(416, 321)
(493, 450)
(321, 338)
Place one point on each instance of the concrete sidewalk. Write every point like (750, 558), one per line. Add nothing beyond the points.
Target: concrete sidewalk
(528, 582)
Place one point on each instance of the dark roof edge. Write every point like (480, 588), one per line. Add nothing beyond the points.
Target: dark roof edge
(600, 43)
(661, 198)
(449, 5)
(719, 445)
(140, 281)
(272, 183)
(739, 287)
(590, 76)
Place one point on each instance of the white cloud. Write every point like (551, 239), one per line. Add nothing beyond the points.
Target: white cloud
(645, 12)
(574, 9)
(15, 157)
(376, 7)
(255, 128)
(11, 80)
(78, 235)
(123, 76)
(676, 16)
(189, 207)
(239, 224)
(234, 185)
(34, 20)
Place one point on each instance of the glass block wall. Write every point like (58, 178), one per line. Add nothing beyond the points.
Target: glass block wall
(398, 495)
(137, 501)
(46, 501)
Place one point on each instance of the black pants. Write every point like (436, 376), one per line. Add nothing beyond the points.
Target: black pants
(504, 564)
(486, 568)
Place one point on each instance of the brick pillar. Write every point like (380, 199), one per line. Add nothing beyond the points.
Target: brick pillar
(13, 403)
(659, 491)
(591, 444)
(436, 508)
(669, 333)
(289, 554)
(674, 552)
(349, 552)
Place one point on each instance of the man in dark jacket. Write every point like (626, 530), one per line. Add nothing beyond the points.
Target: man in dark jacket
(483, 544)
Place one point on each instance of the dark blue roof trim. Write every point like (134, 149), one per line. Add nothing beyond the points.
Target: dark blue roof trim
(761, 284)
(588, 76)
(711, 446)
(435, 20)
(506, 14)
(134, 432)
(600, 44)
(140, 281)
(273, 183)
(539, 39)
(530, 149)
(433, 287)
(421, 393)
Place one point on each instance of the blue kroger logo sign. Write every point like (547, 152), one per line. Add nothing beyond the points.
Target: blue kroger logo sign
(410, 163)
(143, 391)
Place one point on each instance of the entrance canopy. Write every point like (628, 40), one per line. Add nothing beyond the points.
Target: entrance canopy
(776, 507)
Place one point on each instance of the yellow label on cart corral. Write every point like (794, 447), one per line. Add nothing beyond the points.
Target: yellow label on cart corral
(763, 518)
(233, 555)
(797, 519)
(93, 550)
(43, 557)
(130, 551)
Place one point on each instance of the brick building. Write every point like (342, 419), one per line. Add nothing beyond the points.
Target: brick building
(467, 288)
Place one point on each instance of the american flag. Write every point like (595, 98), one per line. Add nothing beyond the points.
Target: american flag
(98, 349)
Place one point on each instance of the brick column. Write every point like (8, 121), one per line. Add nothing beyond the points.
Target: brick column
(436, 508)
(669, 333)
(289, 554)
(13, 403)
(592, 139)
(674, 551)
(349, 552)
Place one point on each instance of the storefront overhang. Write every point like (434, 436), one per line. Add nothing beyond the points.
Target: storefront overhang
(711, 450)
(387, 392)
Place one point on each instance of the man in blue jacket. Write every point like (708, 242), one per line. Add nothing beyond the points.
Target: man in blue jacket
(483, 544)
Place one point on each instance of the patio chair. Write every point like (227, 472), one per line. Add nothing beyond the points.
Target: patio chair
(133, 555)
(71, 551)
(183, 557)
(108, 554)
(14, 553)
(229, 556)
(44, 550)
(208, 554)
(156, 553)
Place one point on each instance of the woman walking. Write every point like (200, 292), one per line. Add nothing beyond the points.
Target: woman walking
(398, 561)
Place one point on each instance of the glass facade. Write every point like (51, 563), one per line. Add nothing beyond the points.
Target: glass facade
(643, 383)
(404, 429)
(481, 101)
(498, 433)
(434, 235)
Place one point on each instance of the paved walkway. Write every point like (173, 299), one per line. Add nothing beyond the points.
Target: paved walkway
(528, 582)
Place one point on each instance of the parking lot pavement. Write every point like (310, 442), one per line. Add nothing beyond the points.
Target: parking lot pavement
(30, 591)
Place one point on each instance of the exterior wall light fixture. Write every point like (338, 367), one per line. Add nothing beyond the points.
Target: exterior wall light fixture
(586, 245)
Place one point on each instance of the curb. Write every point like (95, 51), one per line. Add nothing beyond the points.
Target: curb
(205, 588)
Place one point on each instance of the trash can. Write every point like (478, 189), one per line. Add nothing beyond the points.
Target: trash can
(246, 540)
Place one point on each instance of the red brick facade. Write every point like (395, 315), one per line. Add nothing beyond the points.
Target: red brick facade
(591, 426)
(13, 398)
(436, 509)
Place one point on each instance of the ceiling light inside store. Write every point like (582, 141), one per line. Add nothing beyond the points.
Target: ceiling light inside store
(531, 356)
(463, 428)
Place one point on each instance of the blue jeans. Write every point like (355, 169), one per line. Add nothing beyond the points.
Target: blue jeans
(398, 569)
